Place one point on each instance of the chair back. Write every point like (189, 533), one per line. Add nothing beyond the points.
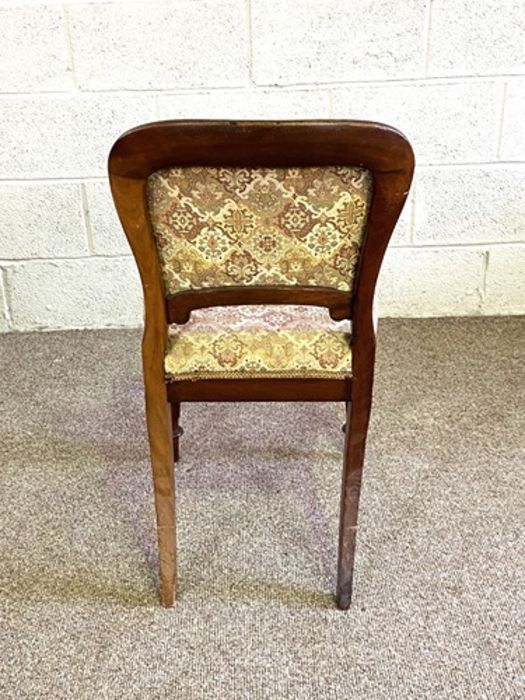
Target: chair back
(217, 227)
(221, 213)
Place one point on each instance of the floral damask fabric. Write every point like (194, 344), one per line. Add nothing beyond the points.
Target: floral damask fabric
(258, 226)
(259, 341)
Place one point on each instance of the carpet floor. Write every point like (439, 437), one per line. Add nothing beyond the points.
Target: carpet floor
(439, 596)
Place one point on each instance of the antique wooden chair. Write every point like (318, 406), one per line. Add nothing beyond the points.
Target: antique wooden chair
(248, 216)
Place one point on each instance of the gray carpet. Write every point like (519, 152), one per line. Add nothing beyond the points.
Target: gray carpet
(439, 605)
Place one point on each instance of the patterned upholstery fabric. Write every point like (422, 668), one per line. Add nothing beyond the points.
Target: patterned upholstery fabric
(257, 226)
(259, 341)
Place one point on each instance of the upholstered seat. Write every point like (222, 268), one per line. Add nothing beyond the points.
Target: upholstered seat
(259, 341)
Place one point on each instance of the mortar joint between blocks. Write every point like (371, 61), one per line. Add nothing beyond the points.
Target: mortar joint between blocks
(6, 298)
(87, 219)
(484, 274)
(69, 45)
(249, 41)
(428, 37)
(412, 218)
(499, 131)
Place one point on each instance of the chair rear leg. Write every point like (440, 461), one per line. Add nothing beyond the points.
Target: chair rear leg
(177, 430)
(347, 406)
(161, 448)
(167, 563)
(358, 414)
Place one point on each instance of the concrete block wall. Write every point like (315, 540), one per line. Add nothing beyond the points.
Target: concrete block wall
(73, 76)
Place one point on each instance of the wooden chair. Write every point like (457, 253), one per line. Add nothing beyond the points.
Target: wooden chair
(236, 214)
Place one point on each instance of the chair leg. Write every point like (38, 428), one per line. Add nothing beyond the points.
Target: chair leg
(161, 449)
(347, 405)
(358, 413)
(167, 564)
(177, 430)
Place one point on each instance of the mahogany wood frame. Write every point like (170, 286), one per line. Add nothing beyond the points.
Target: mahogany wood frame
(140, 152)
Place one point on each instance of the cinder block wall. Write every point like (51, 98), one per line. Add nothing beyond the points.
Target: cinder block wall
(73, 76)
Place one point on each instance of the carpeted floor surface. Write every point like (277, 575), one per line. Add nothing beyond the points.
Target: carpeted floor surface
(439, 605)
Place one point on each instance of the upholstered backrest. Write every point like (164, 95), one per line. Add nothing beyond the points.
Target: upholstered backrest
(217, 227)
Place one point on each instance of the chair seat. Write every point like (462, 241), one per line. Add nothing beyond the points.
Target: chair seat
(236, 342)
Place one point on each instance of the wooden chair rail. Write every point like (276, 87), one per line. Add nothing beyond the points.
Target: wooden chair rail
(140, 152)
(180, 305)
(282, 389)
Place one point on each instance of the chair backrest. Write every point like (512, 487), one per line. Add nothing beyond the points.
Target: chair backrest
(217, 227)
(259, 212)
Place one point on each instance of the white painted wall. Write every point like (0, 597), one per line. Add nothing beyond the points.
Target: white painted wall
(73, 76)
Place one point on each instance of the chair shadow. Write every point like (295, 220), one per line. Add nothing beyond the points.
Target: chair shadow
(254, 591)
(37, 586)
(236, 590)
(40, 586)
(134, 507)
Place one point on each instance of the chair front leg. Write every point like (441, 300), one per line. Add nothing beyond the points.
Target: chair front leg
(357, 417)
(347, 405)
(177, 430)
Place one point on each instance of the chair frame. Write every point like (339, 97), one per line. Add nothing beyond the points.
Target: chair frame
(137, 154)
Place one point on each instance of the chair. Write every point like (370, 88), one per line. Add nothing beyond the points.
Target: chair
(255, 243)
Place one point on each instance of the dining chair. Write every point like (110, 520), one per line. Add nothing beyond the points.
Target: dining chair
(258, 244)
